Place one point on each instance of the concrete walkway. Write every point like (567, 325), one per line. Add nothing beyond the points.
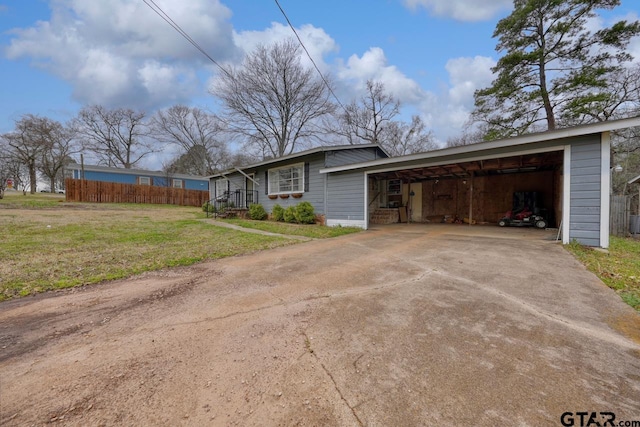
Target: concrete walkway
(255, 231)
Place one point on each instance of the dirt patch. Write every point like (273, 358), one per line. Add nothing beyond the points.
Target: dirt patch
(395, 326)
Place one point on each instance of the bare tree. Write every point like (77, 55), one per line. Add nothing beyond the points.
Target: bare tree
(118, 137)
(365, 120)
(272, 101)
(57, 154)
(32, 136)
(17, 171)
(401, 138)
(197, 133)
(5, 170)
(468, 137)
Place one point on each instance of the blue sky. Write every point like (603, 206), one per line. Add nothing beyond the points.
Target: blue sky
(58, 55)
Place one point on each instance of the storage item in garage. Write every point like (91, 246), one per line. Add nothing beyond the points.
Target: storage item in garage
(525, 211)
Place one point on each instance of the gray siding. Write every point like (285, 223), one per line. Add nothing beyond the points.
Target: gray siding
(346, 157)
(315, 195)
(345, 194)
(586, 169)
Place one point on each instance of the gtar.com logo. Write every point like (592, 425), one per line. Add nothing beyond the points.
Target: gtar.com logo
(588, 419)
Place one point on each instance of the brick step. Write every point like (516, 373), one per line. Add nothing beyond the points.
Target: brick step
(385, 216)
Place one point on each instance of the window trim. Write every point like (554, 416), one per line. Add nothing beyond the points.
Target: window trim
(146, 178)
(301, 186)
(175, 181)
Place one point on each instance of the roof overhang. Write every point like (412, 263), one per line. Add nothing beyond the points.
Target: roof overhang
(311, 151)
(519, 144)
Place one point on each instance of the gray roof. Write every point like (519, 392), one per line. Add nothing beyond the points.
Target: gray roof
(143, 172)
(301, 154)
(530, 138)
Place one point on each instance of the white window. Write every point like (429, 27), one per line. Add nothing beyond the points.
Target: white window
(177, 183)
(222, 186)
(144, 180)
(285, 180)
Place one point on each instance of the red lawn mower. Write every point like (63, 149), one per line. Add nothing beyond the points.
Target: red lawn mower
(522, 215)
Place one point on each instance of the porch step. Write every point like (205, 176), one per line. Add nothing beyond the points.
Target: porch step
(385, 216)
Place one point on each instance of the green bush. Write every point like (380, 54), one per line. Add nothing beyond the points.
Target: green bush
(304, 213)
(257, 212)
(290, 214)
(277, 213)
(208, 207)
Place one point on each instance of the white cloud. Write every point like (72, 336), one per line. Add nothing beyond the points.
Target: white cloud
(110, 51)
(316, 40)
(373, 65)
(462, 10)
(447, 112)
(466, 75)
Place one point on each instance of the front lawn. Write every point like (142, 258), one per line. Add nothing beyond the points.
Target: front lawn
(47, 244)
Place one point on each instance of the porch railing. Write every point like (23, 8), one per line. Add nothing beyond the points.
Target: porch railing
(236, 199)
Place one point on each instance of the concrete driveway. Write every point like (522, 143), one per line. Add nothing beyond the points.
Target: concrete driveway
(400, 325)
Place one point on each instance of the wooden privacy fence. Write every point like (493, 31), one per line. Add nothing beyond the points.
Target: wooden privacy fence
(80, 190)
(620, 211)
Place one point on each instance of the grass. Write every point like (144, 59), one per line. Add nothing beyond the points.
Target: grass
(619, 269)
(16, 199)
(47, 244)
(312, 231)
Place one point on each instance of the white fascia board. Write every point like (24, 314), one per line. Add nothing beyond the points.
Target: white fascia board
(557, 134)
(566, 195)
(436, 162)
(605, 187)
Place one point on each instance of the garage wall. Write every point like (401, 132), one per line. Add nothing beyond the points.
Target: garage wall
(492, 195)
(345, 199)
(586, 171)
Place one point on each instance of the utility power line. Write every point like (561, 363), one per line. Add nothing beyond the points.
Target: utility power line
(309, 55)
(157, 9)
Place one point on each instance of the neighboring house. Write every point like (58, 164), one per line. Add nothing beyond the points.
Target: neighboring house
(290, 179)
(568, 169)
(137, 176)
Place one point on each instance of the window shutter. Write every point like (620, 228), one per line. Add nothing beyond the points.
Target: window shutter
(306, 177)
(266, 182)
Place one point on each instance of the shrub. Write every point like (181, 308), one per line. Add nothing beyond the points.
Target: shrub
(290, 214)
(304, 213)
(257, 212)
(208, 207)
(277, 213)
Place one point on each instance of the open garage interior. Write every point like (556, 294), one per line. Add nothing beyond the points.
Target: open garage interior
(478, 191)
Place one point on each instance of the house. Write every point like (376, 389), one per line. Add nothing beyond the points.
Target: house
(137, 176)
(288, 180)
(568, 170)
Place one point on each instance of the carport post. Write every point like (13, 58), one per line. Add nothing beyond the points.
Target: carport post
(471, 200)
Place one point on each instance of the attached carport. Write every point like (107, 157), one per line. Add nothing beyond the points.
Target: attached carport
(567, 169)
